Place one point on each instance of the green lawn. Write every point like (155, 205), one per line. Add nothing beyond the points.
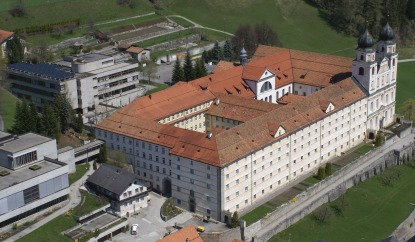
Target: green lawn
(51, 231)
(7, 107)
(297, 24)
(405, 83)
(41, 12)
(89, 203)
(256, 214)
(80, 171)
(181, 22)
(158, 86)
(364, 149)
(372, 212)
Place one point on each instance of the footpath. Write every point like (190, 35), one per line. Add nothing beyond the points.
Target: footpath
(74, 200)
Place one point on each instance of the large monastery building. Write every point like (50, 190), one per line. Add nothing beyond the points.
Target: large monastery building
(227, 141)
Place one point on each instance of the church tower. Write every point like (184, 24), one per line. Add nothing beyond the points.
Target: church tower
(244, 56)
(364, 64)
(387, 49)
(376, 71)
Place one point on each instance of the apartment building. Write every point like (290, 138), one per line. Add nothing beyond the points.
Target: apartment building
(258, 135)
(87, 81)
(32, 178)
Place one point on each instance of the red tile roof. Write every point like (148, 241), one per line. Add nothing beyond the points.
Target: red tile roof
(169, 101)
(137, 120)
(289, 98)
(186, 234)
(223, 65)
(134, 49)
(5, 35)
(239, 108)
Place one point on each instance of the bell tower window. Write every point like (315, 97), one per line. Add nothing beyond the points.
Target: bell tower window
(361, 57)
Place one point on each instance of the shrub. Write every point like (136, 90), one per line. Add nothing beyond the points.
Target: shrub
(322, 214)
(234, 220)
(380, 138)
(328, 170)
(321, 173)
(94, 165)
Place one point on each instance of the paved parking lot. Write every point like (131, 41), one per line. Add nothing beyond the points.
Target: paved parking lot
(151, 227)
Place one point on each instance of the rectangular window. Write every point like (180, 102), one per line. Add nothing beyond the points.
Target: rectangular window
(31, 194)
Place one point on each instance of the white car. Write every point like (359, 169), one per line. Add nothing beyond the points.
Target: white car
(134, 229)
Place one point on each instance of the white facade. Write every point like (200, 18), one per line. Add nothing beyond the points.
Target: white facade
(245, 182)
(133, 199)
(87, 81)
(33, 178)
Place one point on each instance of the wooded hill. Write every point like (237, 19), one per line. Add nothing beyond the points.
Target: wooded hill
(352, 17)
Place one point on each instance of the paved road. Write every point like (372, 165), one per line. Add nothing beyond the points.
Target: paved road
(398, 145)
(1, 123)
(406, 60)
(74, 200)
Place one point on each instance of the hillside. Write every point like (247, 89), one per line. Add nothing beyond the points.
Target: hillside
(297, 24)
(7, 107)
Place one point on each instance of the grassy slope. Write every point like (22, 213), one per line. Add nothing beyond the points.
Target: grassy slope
(7, 107)
(51, 231)
(371, 214)
(406, 83)
(98, 10)
(296, 23)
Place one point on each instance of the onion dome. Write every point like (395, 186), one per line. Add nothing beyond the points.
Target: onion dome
(386, 33)
(365, 40)
(243, 53)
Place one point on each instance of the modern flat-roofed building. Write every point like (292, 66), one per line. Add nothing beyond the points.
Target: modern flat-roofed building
(230, 140)
(31, 177)
(88, 81)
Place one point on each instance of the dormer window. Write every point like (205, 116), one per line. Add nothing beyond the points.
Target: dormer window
(361, 71)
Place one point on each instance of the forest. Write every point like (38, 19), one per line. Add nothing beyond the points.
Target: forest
(353, 16)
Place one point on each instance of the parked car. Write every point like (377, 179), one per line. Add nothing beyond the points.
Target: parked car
(134, 229)
(200, 229)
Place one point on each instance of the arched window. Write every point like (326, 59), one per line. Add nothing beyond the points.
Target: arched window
(361, 71)
(373, 70)
(383, 49)
(266, 87)
(361, 57)
(393, 62)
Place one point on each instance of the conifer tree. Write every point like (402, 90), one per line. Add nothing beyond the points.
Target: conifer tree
(50, 122)
(188, 68)
(14, 49)
(63, 111)
(79, 124)
(102, 155)
(200, 69)
(227, 50)
(178, 74)
(235, 220)
(33, 119)
(17, 127)
(205, 56)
